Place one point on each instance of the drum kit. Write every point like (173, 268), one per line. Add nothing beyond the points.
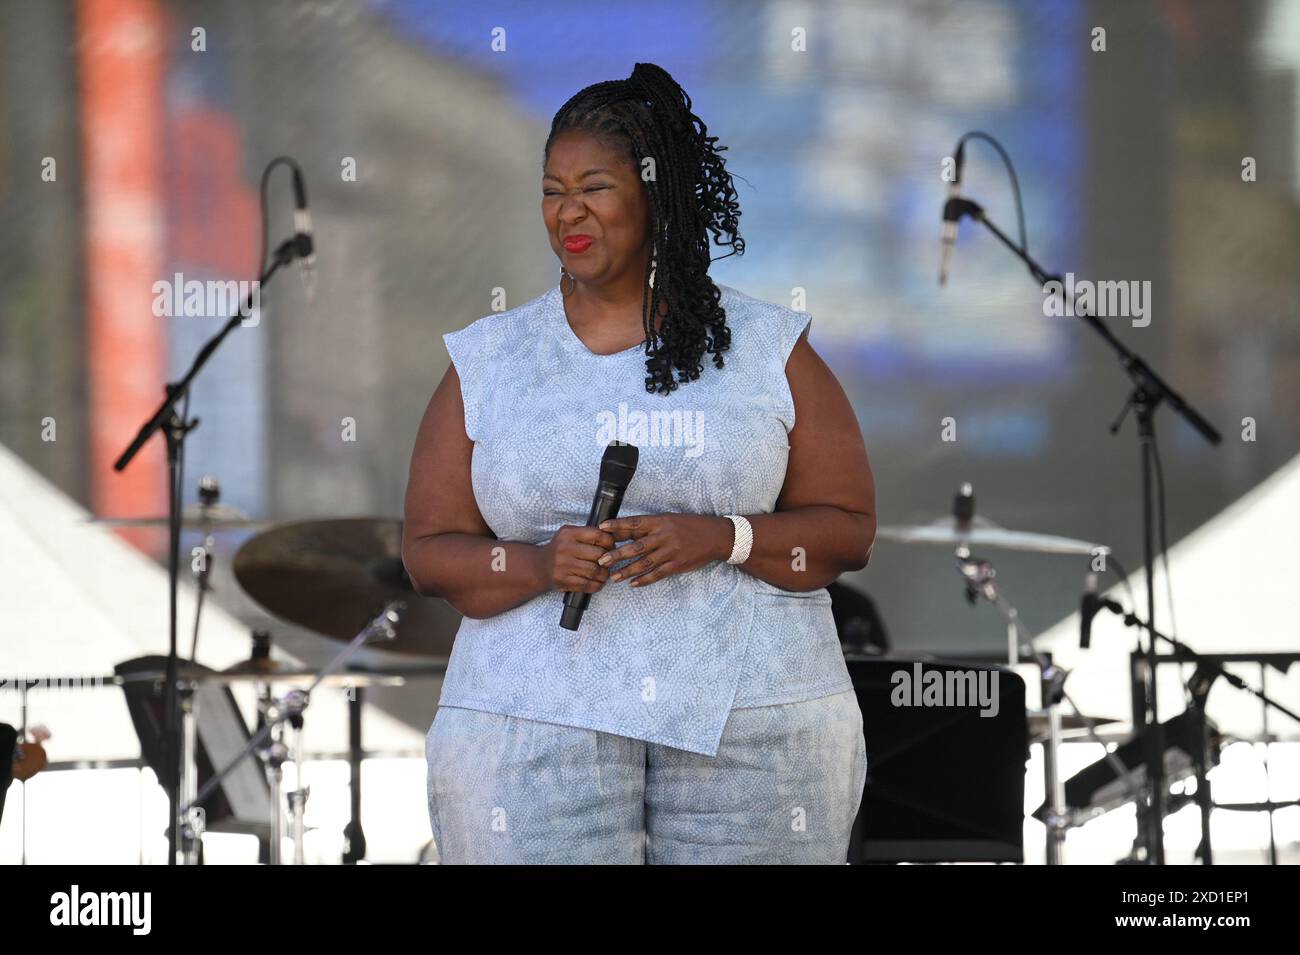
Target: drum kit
(963, 530)
(344, 580)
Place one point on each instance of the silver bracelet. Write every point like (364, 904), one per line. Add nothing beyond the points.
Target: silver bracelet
(744, 539)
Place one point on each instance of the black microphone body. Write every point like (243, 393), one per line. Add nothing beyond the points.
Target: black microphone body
(1092, 604)
(616, 470)
(303, 234)
(1087, 610)
(951, 213)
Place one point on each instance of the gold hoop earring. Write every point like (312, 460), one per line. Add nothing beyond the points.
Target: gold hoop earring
(573, 283)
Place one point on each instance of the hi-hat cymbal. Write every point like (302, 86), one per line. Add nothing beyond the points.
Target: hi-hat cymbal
(281, 676)
(984, 533)
(334, 576)
(195, 517)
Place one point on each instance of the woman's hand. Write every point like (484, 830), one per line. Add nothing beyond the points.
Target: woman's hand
(666, 544)
(569, 559)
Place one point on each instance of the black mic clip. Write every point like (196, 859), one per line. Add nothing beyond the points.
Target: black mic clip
(959, 207)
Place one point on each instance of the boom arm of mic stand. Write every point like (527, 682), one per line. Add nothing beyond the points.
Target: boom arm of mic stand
(1142, 374)
(1186, 654)
(289, 250)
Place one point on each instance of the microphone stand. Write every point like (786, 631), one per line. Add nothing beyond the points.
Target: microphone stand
(1149, 391)
(175, 430)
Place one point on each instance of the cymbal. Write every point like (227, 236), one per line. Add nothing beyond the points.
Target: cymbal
(334, 576)
(194, 516)
(261, 666)
(984, 533)
(1071, 724)
(297, 676)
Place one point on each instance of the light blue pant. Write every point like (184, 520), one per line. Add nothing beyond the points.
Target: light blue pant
(784, 787)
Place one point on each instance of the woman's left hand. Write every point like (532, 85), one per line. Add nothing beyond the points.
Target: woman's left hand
(665, 544)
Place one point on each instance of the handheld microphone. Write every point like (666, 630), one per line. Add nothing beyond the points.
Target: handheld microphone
(951, 214)
(616, 470)
(303, 235)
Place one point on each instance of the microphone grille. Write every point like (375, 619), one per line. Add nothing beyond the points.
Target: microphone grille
(619, 463)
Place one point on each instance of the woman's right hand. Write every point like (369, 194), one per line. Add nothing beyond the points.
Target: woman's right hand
(569, 559)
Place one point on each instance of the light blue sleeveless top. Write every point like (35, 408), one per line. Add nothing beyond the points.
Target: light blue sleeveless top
(663, 662)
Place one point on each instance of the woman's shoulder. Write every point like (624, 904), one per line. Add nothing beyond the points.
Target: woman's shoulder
(498, 331)
(510, 319)
(767, 323)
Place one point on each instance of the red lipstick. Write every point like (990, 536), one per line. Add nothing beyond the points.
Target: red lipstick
(578, 243)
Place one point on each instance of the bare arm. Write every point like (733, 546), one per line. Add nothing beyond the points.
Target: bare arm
(448, 549)
(828, 502)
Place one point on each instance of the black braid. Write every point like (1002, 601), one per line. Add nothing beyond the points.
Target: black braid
(691, 196)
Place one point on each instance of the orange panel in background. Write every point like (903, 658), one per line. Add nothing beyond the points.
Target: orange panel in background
(121, 56)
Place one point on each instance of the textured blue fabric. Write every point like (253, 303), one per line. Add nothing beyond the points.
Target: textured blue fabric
(667, 662)
(784, 787)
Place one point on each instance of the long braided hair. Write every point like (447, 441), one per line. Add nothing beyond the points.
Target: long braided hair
(690, 194)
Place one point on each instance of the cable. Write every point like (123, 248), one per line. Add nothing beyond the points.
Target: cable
(1011, 171)
(1123, 579)
(1164, 542)
(266, 175)
(1123, 576)
(1164, 557)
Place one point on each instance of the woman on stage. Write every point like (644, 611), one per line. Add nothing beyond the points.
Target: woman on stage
(702, 712)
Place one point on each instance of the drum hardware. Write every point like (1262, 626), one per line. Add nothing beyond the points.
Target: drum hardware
(259, 658)
(1202, 745)
(963, 528)
(273, 753)
(265, 673)
(354, 837)
(979, 577)
(209, 497)
(327, 576)
(192, 820)
(268, 742)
